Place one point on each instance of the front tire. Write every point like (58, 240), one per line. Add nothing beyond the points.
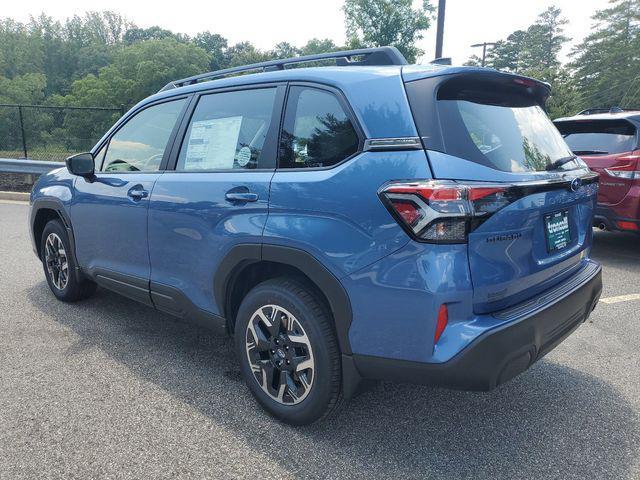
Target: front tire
(60, 266)
(288, 351)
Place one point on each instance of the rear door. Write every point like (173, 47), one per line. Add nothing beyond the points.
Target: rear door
(216, 193)
(531, 227)
(609, 147)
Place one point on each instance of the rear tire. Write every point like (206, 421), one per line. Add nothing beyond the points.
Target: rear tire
(289, 354)
(60, 265)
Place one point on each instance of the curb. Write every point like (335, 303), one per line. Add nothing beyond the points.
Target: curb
(15, 196)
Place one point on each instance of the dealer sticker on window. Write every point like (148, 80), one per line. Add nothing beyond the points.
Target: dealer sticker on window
(557, 230)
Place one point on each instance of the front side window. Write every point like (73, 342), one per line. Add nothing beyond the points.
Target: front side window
(317, 131)
(228, 131)
(98, 157)
(139, 145)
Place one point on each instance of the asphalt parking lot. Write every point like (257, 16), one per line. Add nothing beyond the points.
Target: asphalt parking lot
(112, 389)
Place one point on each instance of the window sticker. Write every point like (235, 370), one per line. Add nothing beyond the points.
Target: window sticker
(244, 157)
(212, 143)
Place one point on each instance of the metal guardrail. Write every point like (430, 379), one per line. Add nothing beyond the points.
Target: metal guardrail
(28, 167)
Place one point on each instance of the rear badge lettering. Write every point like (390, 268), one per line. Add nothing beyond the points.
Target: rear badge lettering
(504, 238)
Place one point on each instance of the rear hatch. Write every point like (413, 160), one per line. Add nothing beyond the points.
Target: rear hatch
(610, 148)
(529, 201)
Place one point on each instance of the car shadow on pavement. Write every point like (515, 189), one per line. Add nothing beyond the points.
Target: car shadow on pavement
(551, 422)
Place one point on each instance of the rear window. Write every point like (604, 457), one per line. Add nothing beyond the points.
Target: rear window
(514, 136)
(598, 137)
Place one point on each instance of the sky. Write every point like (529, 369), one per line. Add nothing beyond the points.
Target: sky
(265, 23)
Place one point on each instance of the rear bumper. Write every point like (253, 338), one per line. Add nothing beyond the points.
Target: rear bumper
(501, 353)
(606, 219)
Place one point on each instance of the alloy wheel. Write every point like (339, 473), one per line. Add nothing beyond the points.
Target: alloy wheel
(280, 354)
(56, 261)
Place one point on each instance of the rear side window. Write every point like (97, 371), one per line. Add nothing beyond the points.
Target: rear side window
(139, 145)
(228, 131)
(317, 131)
(598, 137)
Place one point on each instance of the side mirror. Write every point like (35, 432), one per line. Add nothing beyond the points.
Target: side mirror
(81, 164)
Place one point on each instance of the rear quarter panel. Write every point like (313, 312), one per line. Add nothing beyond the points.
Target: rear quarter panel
(335, 214)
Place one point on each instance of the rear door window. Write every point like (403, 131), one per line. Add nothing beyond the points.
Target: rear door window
(227, 131)
(599, 137)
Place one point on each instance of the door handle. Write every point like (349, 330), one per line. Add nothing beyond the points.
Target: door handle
(241, 197)
(137, 194)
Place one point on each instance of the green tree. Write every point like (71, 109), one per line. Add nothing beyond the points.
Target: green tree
(534, 52)
(373, 23)
(507, 54)
(244, 53)
(284, 50)
(215, 45)
(138, 71)
(316, 46)
(137, 34)
(22, 89)
(19, 52)
(607, 62)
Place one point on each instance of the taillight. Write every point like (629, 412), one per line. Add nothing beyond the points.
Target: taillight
(628, 171)
(622, 225)
(444, 211)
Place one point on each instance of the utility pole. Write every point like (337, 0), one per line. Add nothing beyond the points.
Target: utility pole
(440, 32)
(484, 46)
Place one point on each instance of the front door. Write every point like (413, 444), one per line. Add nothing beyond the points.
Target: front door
(109, 213)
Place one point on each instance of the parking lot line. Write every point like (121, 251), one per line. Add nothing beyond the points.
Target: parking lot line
(621, 298)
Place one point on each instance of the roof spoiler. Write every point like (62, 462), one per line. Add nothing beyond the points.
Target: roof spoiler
(370, 56)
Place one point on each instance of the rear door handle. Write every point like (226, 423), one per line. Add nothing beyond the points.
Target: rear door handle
(137, 193)
(241, 197)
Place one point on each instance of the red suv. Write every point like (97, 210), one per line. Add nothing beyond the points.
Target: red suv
(608, 141)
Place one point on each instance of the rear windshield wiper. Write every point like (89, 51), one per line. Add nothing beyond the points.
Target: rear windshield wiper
(561, 161)
(590, 152)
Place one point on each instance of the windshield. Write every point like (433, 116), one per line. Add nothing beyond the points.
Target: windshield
(508, 138)
(599, 137)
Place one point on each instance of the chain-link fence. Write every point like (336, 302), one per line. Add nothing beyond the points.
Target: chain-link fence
(42, 132)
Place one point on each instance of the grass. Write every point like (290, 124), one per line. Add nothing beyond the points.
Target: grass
(49, 153)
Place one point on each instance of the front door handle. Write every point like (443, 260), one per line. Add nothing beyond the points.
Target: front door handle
(137, 193)
(241, 197)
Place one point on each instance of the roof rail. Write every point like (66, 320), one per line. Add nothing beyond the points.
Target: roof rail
(592, 111)
(372, 56)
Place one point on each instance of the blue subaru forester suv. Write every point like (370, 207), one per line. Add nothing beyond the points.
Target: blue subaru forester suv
(364, 220)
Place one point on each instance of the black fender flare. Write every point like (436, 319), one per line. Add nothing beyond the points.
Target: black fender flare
(55, 204)
(242, 255)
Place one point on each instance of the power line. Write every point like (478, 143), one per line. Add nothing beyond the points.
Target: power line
(629, 89)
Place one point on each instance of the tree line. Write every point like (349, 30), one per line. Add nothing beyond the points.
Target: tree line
(104, 59)
(603, 69)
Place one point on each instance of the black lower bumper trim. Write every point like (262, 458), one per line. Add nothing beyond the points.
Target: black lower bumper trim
(500, 354)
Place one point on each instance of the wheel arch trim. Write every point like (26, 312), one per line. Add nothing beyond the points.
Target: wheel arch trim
(242, 255)
(56, 205)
